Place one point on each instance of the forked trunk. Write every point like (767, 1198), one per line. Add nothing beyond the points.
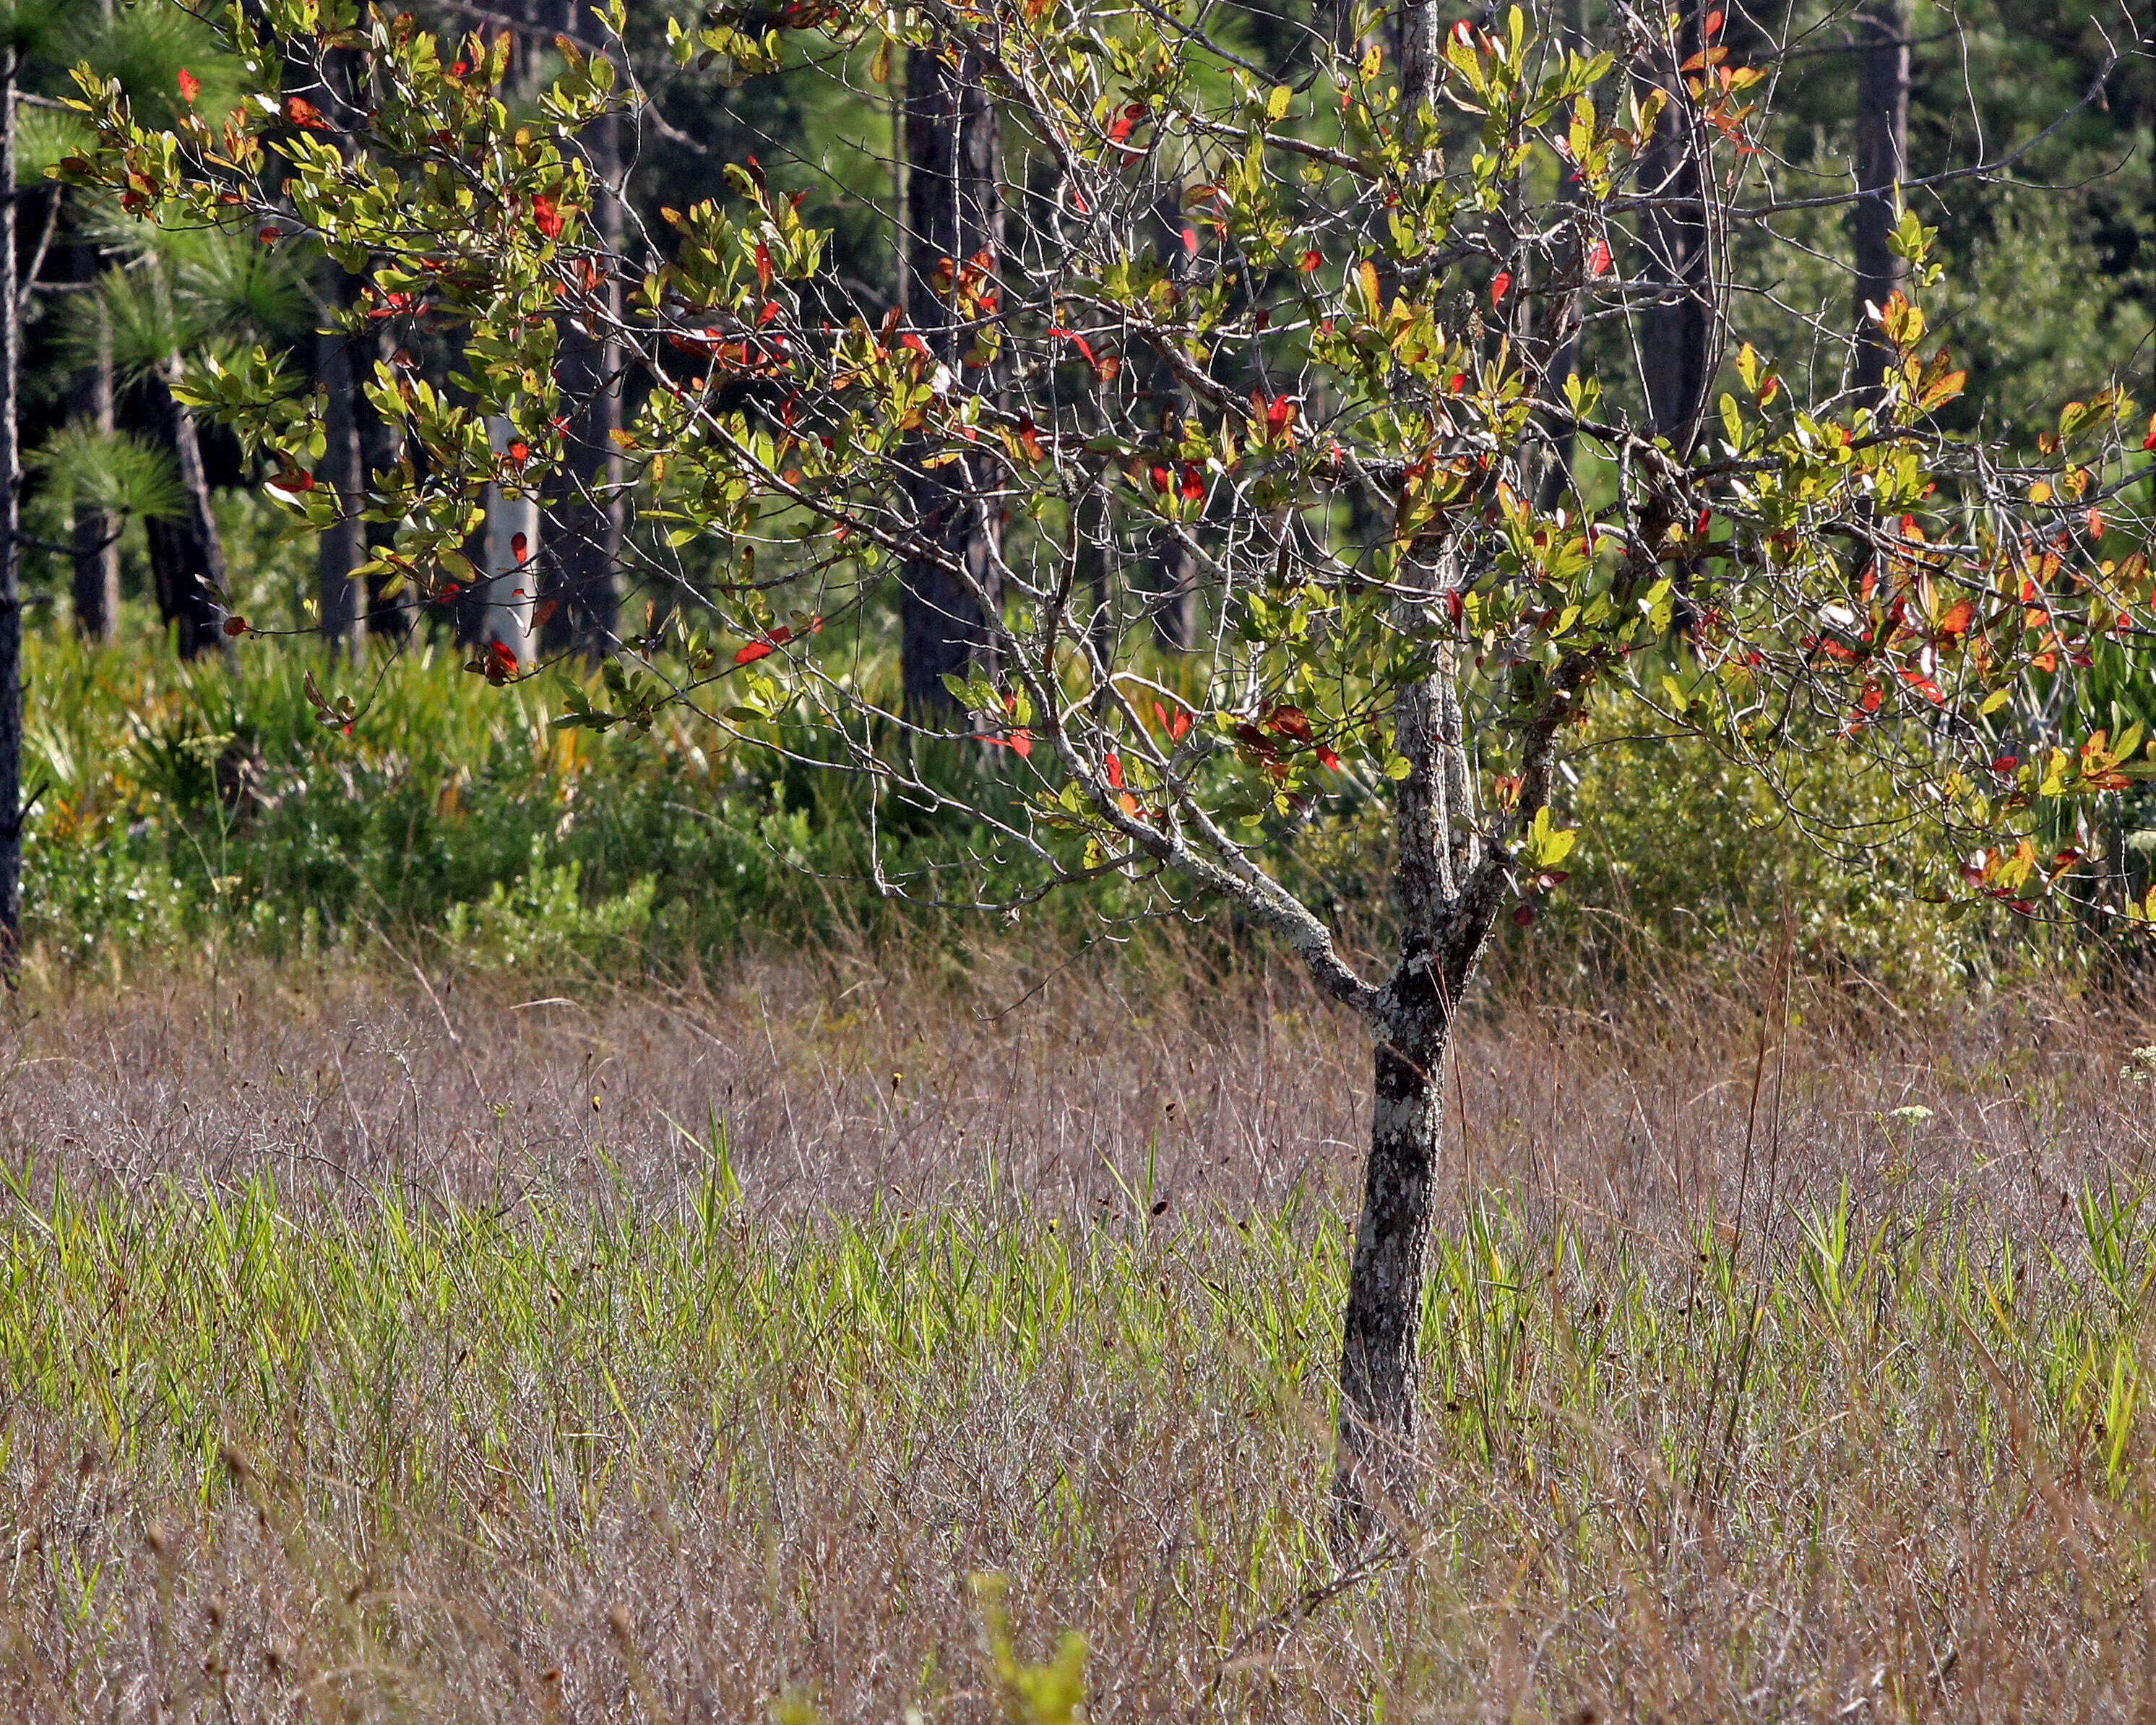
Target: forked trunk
(1446, 900)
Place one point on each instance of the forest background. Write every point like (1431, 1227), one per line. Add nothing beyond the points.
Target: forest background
(188, 792)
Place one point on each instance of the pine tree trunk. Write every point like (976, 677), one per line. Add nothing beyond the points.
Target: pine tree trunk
(1567, 309)
(584, 602)
(95, 531)
(341, 546)
(954, 219)
(1676, 331)
(187, 558)
(1883, 151)
(1174, 597)
(389, 615)
(11, 588)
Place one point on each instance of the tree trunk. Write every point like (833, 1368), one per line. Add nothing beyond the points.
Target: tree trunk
(11, 588)
(1445, 903)
(1380, 1370)
(1677, 330)
(585, 599)
(1882, 153)
(954, 220)
(187, 558)
(506, 614)
(1174, 596)
(389, 615)
(1567, 308)
(341, 546)
(95, 531)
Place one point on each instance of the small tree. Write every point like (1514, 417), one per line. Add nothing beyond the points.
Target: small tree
(1409, 604)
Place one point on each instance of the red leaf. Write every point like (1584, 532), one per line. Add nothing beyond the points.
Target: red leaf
(1190, 239)
(300, 111)
(1501, 284)
(1456, 383)
(1289, 721)
(752, 652)
(1121, 128)
(1310, 260)
(1958, 618)
(763, 265)
(520, 548)
(1524, 916)
(1021, 743)
(1925, 686)
(546, 218)
(267, 236)
(1463, 34)
(1598, 259)
(1162, 479)
(235, 625)
(2149, 441)
(1713, 22)
(519, 452)
(1193, 482)
(1328, 757)
(910, 340)
(190, 86)
(1114, 763)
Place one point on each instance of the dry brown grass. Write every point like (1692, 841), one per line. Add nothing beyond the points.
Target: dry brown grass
(509, 1383)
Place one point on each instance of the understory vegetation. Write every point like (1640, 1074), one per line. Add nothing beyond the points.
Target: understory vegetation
(378, 1352)
(206, 809)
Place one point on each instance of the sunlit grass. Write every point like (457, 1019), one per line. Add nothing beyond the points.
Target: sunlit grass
(370, 1445)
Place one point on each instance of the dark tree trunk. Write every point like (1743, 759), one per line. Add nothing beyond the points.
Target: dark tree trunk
(95, 531)
(954, 220)
(1174, 596)
(11, 588)
(583, 604)
(1379, 1371)
(1677, 330)
(341, 546)
(1568, 307)
(389, 614)
(1882, 153)
(187, 558)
